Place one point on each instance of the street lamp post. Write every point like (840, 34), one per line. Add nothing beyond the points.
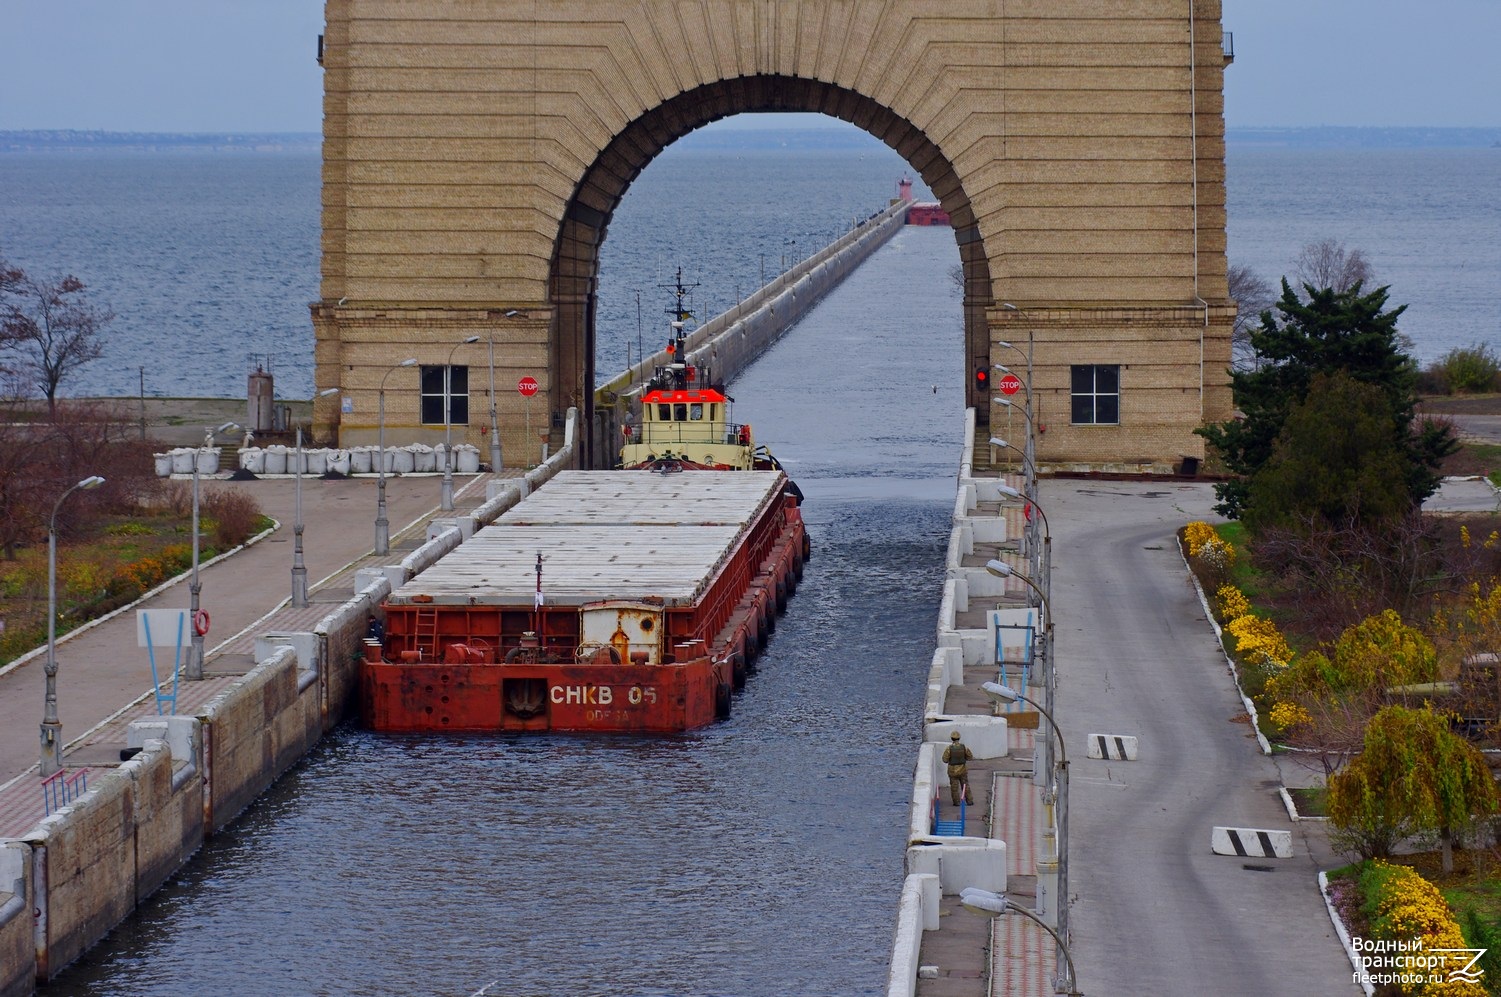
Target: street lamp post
(52, 727)
(990, 904)
(1049, 675)
(299, 570)
(193, 671)
(446, 503)
(1001, 693)
(382, 525)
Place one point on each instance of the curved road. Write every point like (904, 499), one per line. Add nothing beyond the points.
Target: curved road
(1155, 912)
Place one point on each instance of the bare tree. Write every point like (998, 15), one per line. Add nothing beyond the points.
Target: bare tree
(956, 274)
(1254, 294)
(1327, 263)
(50, 327)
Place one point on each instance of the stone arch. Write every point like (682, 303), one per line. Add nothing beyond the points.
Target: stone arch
(575, 261)
(474, 150)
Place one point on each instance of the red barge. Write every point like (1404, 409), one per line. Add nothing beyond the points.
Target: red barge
(630, 601)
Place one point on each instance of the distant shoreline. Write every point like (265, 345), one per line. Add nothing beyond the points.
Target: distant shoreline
(802, 136)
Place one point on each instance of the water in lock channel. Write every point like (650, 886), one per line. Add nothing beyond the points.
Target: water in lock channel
(759, 856)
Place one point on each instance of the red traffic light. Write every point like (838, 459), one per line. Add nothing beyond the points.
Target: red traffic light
(982, 378)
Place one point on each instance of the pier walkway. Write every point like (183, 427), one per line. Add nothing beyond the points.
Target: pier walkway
(104, 678)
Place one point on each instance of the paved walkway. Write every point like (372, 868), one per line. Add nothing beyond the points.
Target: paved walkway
(104, 678)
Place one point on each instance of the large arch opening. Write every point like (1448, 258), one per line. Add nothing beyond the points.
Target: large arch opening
(574, 280)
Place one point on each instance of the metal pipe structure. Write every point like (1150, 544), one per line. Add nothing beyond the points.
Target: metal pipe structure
(52, 727)
(382, 524)
(299, 570)
(446, 499)
(497, 455)
(193, 670)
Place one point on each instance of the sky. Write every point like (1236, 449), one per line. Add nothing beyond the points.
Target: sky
(249, 65)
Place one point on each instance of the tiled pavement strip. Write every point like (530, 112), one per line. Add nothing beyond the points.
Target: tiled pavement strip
(22, 805)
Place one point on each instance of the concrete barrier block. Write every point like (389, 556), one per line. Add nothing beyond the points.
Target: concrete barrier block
(961, 862)
(917, 912)
(1112, 747)
(984, 736)
(1250, 842)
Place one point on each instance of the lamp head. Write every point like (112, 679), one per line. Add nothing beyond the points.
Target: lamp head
(328, 391)
(1002, 368)
(92, 481)
(227, 427)
(408, 362)
(1008, 491)
(983, 902)
(996, 441)
(999, 693)
(999, 568)
(471, 339)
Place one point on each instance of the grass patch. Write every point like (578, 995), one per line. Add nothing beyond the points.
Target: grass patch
(1311, 802)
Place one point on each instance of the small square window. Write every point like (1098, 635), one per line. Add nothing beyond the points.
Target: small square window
(1095, 394)
(445, 386)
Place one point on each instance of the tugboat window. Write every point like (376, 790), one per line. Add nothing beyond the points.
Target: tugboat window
(445, 385)
(696, 412)
(664, 413)
(1096, 394)
(680, 412)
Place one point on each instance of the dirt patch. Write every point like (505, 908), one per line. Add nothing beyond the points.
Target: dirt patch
(1460, 404)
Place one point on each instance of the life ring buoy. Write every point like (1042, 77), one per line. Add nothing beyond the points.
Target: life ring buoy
(200, 622)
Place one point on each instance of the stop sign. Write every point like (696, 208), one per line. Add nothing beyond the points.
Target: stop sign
(527, 386)
(1010, 384)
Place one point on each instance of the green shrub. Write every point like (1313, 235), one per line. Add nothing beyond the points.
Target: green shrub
(1471, 369)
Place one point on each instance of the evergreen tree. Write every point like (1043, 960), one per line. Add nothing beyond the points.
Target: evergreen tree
(1332, 331)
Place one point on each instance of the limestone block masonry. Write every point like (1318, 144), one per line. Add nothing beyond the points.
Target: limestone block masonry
(475, 151)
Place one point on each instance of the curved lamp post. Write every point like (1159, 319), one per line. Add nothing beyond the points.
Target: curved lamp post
(52, 727)
(382, 525)
(193, 670)
(1005, 694)
(497, 459)
(1029, 469)
(989, 904)
(299, 570)
(446, 504)
(1001, 569)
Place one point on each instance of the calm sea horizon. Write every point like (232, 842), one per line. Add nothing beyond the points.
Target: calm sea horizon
(210, 259)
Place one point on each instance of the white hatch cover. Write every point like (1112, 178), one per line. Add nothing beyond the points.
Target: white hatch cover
(603, 535)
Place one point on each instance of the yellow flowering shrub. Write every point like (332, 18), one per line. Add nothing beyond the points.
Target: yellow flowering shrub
(1231, 603)
(1287, 715)
(1259, 640)
(1197, 534)
(1402, 906)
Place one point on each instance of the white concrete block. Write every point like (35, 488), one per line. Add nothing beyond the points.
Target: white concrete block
(1113, 747)
(1250, 842)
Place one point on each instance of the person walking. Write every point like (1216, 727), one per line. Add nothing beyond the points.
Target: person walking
(957, 756)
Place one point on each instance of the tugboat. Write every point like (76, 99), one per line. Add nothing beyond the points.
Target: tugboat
(685, 416)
